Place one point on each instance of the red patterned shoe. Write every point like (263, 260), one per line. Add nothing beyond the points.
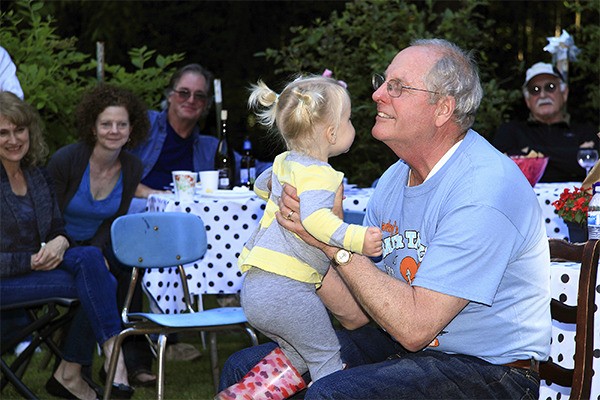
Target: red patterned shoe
(273, 378)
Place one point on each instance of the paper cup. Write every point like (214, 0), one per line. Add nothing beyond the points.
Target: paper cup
(184, 183)
(209, 181)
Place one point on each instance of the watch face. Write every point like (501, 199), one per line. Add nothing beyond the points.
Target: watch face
(342, 256)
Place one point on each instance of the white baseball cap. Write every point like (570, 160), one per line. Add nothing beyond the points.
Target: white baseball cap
(539, 69)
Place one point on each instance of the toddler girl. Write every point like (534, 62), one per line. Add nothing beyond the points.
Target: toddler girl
(278, 295)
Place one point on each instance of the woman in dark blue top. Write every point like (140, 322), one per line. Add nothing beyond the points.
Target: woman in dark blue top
(95, 180)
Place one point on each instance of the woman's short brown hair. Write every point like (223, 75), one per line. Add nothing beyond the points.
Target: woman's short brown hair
(96, 100)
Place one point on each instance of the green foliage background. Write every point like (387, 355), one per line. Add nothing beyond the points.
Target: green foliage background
(359, 39)
(54, 74)
(367, 35)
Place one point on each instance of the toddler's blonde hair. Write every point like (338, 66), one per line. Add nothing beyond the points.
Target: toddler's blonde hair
(306, 105)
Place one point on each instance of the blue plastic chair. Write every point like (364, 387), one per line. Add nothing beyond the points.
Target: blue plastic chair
(156, 240)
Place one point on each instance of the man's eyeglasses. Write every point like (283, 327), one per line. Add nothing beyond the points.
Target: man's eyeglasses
(394, 86)
(185, 94)
(536, 90)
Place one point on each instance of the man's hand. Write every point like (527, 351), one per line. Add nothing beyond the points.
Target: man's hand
(50, 255)
(144, 191)
(288, 216)
(337, 209)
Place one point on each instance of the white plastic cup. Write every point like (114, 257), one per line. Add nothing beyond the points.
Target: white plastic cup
(184, 183)
(209, 181)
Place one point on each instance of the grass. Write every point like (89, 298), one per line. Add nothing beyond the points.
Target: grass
(183, 379)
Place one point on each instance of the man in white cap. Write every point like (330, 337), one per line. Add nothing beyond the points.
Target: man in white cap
(548, 129)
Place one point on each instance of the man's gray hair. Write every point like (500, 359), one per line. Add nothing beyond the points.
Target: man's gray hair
(454, 74)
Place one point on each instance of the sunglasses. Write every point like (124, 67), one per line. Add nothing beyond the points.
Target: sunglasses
(185, 94)
(536, 90)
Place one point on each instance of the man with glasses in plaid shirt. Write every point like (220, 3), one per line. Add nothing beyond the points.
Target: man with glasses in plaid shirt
(548, 130)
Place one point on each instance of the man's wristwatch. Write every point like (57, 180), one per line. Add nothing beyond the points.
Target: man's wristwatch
(341, 257)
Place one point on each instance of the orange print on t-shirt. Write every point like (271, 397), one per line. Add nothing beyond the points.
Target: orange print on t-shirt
(408, 269)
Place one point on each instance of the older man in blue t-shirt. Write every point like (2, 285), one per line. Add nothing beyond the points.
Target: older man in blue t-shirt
(458, 306)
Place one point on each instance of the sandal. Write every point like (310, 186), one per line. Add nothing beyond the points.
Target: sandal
(118, 390)
(135, 380)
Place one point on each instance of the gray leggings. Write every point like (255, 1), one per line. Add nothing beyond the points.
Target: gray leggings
(290, 313)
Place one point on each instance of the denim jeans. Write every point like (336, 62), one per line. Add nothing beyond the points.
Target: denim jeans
(82, 274)
(136, 349)
(379, 368)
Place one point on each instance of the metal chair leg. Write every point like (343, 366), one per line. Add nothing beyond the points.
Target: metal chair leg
(252, 334)
(112, 366)
(214, 359)
(160, 383)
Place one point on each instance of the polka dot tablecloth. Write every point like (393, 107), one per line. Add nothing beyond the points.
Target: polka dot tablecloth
(357, 199)
(564, 282)
(229, 223)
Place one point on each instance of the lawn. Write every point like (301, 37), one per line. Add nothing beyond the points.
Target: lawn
(183, 379)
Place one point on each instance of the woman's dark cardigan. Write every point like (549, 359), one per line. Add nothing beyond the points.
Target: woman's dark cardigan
(16, 246)
(67, 166)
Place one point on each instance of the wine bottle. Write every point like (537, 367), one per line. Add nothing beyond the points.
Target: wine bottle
(248, 166)
(224, 159)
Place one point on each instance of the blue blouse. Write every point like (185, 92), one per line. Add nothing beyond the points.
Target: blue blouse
(84, 214)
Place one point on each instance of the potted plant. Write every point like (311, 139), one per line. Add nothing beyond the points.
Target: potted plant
(572, 207)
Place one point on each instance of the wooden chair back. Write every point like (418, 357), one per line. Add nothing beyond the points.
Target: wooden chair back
(579, 379)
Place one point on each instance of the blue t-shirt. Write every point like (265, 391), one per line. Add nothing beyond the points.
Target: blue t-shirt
(177, 155)
(84, 214)
(473, 230)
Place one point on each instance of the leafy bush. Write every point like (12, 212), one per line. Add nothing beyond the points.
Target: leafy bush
(366, 36)
(54, 74)
(588, 61)
(353, 43)
(148, 82)
(51, 71)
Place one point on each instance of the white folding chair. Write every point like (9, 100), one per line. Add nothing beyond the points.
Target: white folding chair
(153, 240)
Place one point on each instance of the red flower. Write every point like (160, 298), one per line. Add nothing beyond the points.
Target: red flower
(572, 206)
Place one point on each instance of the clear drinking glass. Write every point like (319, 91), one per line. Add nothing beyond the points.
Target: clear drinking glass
(587, 158)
